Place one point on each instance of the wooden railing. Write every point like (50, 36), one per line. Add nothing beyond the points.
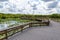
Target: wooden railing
(4, 34)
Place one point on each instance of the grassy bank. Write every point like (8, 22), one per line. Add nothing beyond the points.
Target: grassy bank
(13, 19)
(56, 19)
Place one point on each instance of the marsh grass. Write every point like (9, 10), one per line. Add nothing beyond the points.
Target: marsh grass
(56, 19)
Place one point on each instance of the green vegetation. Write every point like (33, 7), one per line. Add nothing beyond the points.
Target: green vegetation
(24, 17)
(20, 16)
(14, 17)
(55, 16)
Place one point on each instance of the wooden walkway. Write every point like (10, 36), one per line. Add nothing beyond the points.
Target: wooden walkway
(51, 32)
(10, 31)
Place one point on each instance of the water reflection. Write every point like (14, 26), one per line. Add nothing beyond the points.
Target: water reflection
(8, 23)
(3, 26)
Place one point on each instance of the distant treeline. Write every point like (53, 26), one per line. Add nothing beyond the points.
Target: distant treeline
(54, 16)
(24, 16)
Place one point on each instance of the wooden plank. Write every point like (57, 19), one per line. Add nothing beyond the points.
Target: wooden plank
(14, 29)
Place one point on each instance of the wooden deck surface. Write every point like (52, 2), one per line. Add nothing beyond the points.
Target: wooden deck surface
(51, 32)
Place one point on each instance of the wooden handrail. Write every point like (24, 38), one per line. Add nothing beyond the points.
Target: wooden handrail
(10, 31)
(4, 34)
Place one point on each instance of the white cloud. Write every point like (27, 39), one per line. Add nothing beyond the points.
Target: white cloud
(25, 7)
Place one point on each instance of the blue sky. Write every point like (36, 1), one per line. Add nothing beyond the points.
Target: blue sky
(30, 6)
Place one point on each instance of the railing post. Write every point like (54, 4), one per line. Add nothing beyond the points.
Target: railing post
(30, 24)
(6, 35)
(48, 22)
(21, 28)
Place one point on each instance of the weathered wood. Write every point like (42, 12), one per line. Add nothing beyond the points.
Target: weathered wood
(14, 30)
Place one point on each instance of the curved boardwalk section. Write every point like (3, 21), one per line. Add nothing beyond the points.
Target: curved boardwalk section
(51, 32)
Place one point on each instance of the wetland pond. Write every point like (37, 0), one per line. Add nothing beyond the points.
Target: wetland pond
(8, 24)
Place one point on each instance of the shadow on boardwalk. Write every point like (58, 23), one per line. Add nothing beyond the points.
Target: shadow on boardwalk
(51, 32)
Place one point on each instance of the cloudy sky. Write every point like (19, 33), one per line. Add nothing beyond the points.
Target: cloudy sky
(30, 6)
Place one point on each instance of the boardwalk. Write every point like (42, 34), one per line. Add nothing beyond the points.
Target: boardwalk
(51, 32)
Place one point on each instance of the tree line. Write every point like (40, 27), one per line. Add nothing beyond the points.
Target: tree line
(24, 16)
